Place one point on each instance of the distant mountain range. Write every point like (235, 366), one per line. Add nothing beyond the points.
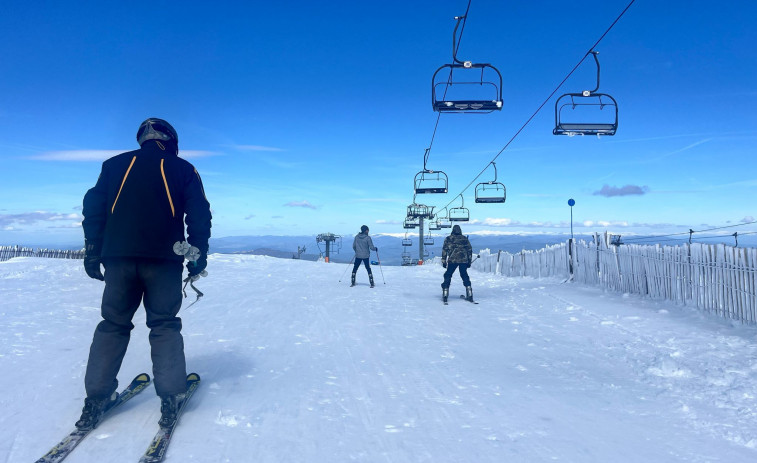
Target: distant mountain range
(391, 249)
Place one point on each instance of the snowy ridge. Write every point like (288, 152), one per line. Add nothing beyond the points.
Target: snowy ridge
(299, 367)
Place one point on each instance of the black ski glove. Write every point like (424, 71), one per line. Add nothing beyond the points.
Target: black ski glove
(195, 267)
(444, 264)
(92, 259)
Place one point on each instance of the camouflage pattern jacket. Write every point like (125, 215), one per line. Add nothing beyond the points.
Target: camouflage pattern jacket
(457, 249)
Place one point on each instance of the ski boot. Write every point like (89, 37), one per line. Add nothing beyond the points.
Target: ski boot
(93, 410)
(353, 280)
(169, 409)
(469, 293)
(370, 278)
(445, 295)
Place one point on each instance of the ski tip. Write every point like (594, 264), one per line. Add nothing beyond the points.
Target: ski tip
(193, 377)
(143, 377)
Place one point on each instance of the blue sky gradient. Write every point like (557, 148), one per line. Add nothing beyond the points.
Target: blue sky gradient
(312, 117)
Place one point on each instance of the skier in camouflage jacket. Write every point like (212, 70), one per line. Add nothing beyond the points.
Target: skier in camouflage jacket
(457, 253)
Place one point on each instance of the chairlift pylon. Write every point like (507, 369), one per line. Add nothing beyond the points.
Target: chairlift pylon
(492, 192)
(579, 113)
(489, 96)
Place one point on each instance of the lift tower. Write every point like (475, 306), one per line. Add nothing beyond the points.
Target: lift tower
(327, 238)
(420, 212)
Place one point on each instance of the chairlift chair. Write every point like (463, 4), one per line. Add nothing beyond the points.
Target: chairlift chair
(586, 113)
(430, 181)
(434, 225)
(488, 95)
(409, 223)
(415, 211)
(459, 214)
(491, 192)
(428, 240)
(443, 220)
(407, 241)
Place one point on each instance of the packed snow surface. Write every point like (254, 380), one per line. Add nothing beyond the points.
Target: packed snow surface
(297, 366)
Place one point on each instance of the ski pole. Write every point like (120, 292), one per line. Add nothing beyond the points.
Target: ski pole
(380, 268)
(345, 270)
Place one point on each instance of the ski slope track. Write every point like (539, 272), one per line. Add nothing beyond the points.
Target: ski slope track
(300, 367)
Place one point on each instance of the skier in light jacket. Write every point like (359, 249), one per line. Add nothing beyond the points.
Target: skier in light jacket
(363, 245)
(457, 253)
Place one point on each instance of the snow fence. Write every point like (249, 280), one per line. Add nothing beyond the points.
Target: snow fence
(715, 278)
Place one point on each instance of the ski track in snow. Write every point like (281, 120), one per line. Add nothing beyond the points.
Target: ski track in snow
(298, 366)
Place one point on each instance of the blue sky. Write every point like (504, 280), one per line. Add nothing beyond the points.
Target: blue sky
(311, 117)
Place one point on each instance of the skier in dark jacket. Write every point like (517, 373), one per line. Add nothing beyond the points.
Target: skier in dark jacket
(132, 217)
(457, 253)
(363, 245)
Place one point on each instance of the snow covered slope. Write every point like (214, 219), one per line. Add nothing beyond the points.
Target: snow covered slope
(299, 367)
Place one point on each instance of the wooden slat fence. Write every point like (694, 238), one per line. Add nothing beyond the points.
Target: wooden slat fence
(547, 262)
(9, 252)
(715, 278)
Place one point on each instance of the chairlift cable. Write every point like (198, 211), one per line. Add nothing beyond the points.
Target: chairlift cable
(691, 231)
(546, 100)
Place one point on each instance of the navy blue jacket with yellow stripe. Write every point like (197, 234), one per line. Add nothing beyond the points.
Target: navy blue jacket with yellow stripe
(140, 202)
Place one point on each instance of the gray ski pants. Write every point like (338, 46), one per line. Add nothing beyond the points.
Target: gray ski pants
(128, 282)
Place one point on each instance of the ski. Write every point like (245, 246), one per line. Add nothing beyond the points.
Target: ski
(67, 445)
(462, 296)
(157, 448)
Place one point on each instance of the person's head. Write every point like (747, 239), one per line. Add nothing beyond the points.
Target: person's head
(456, 230)
(364, 229)
(157, 129)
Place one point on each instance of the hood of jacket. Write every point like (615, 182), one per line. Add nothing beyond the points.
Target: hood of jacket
(161, 146)
(456, 230)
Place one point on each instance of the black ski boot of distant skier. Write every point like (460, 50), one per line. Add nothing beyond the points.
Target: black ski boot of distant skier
(157, 449)
(370, 278)
(64, 447)
(468, 295)
(353, 280)
(445, 296)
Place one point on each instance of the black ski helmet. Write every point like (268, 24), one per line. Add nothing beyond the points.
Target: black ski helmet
(156, 129)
